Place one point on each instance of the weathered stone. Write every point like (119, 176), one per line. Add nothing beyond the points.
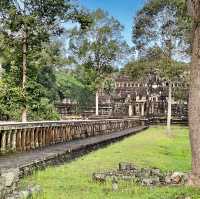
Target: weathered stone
(144, 176)
(177, 177)
(156, 172)
(99, 177)
(168, 179)
(114, 184)
(147, 182)
(150, 181)
(25, 194)
(128, 178)
(126, 166)
(183, 197)
(145, 173)
(23, 137)
(2, 187)
(10, 176)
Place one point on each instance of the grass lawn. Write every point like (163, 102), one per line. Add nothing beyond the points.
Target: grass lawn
(151, 148)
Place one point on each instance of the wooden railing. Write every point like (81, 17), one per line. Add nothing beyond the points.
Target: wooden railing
(32, 135)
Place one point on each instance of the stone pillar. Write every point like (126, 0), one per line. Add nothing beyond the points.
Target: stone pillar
(68, 132)
(19, 140)
(36, 137)
(3, 142)
(28, 139)
(53, 131)
(14, 134)
(130, 110)
(8, 140)
(152, 107)
(137, 108)
(32, 138)
(142, 110)
(49, 135)
(44, 136)
(23, 140)
(40, 137)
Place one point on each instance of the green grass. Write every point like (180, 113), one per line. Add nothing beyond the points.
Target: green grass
(151, 148)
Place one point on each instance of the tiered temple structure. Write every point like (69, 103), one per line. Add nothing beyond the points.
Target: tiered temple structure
(147, 97)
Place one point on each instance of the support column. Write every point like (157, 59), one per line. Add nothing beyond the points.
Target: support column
(152, 107)
(28, 139)
(32, 140)
(19, 140)
(24, 140)
(3, 142)
(8, 141)
(14, 138)
(48, 136)
(130, 110)
(44, 136)
(36, 138)
(142, 110)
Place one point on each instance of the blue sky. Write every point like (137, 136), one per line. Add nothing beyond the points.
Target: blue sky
(123, 10)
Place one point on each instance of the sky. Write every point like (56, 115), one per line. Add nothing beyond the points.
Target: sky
(123, 10)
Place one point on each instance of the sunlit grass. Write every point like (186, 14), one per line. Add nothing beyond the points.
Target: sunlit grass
(151, 148)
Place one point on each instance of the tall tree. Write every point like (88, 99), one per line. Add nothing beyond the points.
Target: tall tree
(99, 48)
(40, 88)
(156, 25)
(29, 23)
(194, 105)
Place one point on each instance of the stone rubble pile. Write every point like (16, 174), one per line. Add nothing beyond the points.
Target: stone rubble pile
(8, 181)
(25, 194)
(143, 176)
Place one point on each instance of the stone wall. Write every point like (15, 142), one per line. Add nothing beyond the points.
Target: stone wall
(160, 120)
(31, 135)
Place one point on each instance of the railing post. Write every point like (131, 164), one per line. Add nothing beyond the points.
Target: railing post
(36, 137)
(19, 140)
(32, 138)
(28, 139)
(3, 142)
(14, 138)
(44, 136)
(23, 139)
(8, 141)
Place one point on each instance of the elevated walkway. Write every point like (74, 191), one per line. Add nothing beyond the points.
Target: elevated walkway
(28, 161)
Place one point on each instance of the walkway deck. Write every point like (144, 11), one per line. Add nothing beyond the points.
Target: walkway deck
(19, 160)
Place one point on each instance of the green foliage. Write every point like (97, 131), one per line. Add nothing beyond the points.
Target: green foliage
(160, 39)
(39, 21)
(74, 179)
(10, 100)
(40, 89)
(160, 21)
(43, 109)
(70, 87)
(97, 49)
(109, 86)
(137, 69)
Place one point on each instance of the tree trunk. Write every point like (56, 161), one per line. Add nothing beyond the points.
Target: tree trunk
(194, 108)
(169, 108)
(97, 103)
(24, 70)
(1, 70)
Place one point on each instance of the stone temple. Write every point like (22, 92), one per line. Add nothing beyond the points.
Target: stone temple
(146, 98)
